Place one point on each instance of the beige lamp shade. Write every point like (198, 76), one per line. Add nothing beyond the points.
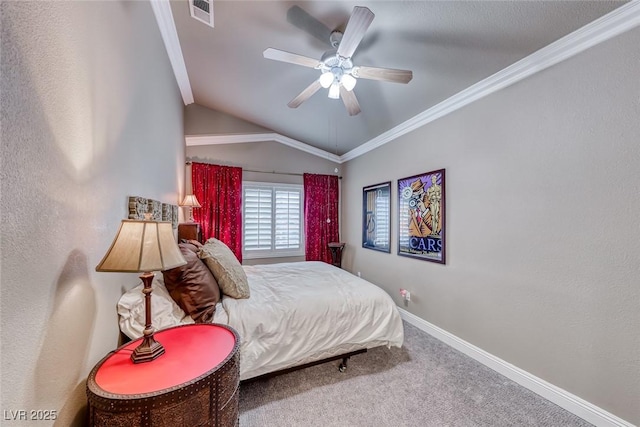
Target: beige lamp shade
(142, 246)
(190, 201)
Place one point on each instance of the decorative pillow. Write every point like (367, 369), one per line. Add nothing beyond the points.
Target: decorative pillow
(192, 286)
(188, 244)
(225, 268)
(193, 242)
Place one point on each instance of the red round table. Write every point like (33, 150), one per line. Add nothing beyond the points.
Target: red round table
(194, 383)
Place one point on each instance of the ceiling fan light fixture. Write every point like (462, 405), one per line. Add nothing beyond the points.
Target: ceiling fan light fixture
(326, 79)
(348, 81)
(334, 91)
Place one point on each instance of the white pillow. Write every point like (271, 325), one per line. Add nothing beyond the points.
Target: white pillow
(165, 313)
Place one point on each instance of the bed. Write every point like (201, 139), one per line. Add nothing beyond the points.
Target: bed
(296, 314)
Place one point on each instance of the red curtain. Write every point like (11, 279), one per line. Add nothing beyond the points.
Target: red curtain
(320, 204)
(219, 191)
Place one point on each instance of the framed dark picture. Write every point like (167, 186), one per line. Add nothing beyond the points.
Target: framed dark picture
(421, 216)
(376, 217)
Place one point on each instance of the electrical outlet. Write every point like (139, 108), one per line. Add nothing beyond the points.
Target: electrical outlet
(359, 275)
(407, 296)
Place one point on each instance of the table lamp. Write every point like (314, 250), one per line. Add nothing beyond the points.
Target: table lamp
(190, 202)
(142, 247)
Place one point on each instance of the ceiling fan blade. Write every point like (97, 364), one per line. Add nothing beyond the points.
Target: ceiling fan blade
(305, 94)
(350, 101)
(292, 58)
(383, 74)
(301, 19)
(358, 23)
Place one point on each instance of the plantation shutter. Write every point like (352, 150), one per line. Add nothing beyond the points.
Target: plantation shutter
(257, 219)
(272, 220)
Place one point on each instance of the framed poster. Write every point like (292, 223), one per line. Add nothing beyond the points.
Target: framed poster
(376, 217)
(421, 216)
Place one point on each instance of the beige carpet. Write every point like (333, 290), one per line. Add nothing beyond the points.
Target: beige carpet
(426, 383)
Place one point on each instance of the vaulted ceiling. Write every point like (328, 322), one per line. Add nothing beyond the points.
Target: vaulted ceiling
(452, 47)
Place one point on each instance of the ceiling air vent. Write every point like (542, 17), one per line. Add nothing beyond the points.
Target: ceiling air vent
(202, 10)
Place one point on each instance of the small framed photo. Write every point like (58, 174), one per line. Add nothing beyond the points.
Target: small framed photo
(421, 216)
(376, 217)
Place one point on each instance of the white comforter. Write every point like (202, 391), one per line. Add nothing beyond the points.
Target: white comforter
(300, 311)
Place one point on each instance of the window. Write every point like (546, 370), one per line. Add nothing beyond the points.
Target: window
(272, 220)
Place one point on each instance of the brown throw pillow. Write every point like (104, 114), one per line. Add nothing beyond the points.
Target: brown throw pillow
(225, 268)
(188, 244)
(195, 243)
(192, 286)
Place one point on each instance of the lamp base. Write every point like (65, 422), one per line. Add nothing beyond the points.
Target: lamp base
(148, 350)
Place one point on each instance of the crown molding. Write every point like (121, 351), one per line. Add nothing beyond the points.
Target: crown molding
(164, 18)
(193, 140)
(604, 28)
(620, 20)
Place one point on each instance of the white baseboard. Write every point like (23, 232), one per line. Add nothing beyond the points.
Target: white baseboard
(580, 407)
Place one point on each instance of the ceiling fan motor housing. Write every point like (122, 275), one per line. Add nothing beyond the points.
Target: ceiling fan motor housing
(331, 59)
(332, 62)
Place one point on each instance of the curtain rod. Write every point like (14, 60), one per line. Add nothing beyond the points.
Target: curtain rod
(277, 173)
(272, 172)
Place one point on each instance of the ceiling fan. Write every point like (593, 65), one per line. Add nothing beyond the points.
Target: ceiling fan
(337, 71)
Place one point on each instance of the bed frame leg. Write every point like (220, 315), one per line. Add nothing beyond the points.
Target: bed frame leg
(343, 365)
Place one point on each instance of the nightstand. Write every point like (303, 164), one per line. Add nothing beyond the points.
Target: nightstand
(190, 231)
(195, 383)
(336, 253)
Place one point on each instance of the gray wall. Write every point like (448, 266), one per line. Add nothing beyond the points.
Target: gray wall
(265, 156)
(543, 240)
(91, 114)
(199, 120)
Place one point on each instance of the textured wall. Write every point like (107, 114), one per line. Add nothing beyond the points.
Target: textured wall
(543, 239)
(90, 115)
